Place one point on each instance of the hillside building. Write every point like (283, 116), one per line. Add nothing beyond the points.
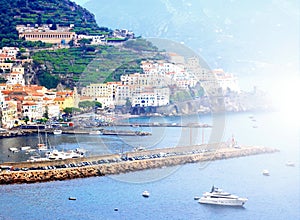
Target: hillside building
(61, 35)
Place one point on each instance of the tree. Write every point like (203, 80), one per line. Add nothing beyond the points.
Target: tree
(70, 110)
(26, 119)
(98, 104)
(53, 27)
(84, 41)
(39, 20)
(47, 80)
(46, 114)
(128, 103)
(86, 104)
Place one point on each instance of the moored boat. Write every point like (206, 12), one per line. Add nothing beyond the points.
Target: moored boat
(146, 194)
(94, 132)
(265, 173)
(57, 131)
(26, 148)
(218, 197)
(14, 149)
(62, 155)
(290, 164)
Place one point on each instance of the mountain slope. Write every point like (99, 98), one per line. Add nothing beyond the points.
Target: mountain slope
(240, 36)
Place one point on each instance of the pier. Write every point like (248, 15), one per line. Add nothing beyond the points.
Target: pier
(159, 124)
(31, 172)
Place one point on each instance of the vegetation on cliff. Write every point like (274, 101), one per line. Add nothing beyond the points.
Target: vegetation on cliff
(91, 64)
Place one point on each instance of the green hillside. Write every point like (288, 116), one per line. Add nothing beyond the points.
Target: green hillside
(91, 64)
(61, 12)
(69, 66)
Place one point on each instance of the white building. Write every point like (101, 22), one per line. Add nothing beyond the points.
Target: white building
(104, 93)
(10, 51)
(156, 97)
(9, 113)
(15, 78)
(32, 109)
(95, 39)
(217, 82)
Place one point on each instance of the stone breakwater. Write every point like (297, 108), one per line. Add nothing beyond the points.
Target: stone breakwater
(117, 164)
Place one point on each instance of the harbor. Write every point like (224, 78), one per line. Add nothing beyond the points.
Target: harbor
(31, 172)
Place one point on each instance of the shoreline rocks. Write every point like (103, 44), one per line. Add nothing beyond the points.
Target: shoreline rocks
(121, 166)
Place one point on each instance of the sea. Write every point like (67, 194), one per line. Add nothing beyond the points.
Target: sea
(172, 189)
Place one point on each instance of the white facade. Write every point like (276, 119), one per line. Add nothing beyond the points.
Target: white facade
(10, 51)
(217, 82)
(33, 110)
(15, 78)
(96, 40)
(9, 113)
(157, 97)
(53, 110)
(104, 93)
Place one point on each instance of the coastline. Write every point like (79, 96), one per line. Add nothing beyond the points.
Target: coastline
(115, 164)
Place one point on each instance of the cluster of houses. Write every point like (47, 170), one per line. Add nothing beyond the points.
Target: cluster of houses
(20, 102)
(152, 86)
(63, 35)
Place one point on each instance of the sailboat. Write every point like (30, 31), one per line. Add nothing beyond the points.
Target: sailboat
(42, 145)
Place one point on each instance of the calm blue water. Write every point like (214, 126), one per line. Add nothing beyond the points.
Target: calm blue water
(172, 190)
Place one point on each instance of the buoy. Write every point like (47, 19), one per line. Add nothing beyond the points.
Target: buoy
(116, 209)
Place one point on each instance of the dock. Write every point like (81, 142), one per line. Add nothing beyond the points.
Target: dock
(31, 172)
(159, 124)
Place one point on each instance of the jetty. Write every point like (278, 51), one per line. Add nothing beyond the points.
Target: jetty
(31, 172)
(125, 133)
(160, 124)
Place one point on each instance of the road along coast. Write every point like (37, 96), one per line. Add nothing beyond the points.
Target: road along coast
(31, 172)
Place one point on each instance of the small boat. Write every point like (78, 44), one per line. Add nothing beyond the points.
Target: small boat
(95, 132)
(196, 198)
(146, 194)
(14, 149)
(290, 164)
(218, 197)
(140, 148)
(265, 173)
(72, 198)
(62, 155)
(26, 148)
(57, 131)
(42, 147)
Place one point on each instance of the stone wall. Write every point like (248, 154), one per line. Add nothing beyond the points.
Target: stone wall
(31, 176)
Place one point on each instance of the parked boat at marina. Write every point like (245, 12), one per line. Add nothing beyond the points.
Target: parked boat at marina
(26, 148)
(57, 131)
(14, 149)
(62, 155)
(125, 133)
(94, 132)
(218, 197)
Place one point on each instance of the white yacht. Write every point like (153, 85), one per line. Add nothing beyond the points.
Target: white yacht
(217, 197)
